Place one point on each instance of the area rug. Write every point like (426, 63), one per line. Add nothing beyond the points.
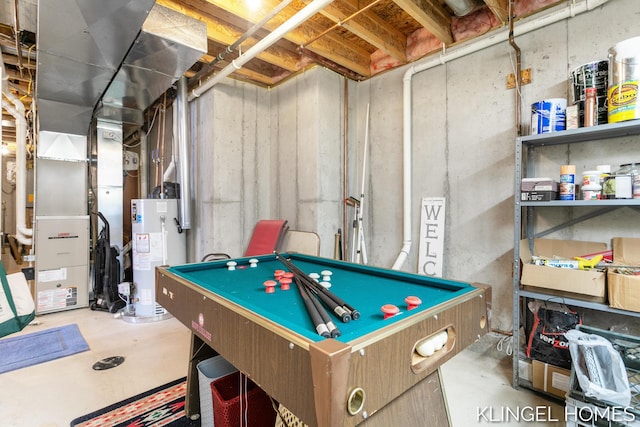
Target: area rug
(161, 407)
(42, 346)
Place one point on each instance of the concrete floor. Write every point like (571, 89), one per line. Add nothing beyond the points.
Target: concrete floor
(477, 381)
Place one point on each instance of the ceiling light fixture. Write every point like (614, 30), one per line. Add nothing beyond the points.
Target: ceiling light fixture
(253, 5)
(462, 7)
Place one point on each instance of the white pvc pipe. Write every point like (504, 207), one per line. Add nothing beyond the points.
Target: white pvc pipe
(543, 19)
(18, 112)
(21, 124)
(292, 23)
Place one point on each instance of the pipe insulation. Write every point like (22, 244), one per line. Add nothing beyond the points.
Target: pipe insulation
(289, 25)
(551, 16)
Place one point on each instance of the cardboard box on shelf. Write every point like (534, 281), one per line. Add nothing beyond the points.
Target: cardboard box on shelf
(551, 379)
(574, 282)
(538, 196)
(624, 289)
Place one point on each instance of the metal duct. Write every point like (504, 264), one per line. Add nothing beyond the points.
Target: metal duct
(168, 45)
(81, 44)
(462, 7)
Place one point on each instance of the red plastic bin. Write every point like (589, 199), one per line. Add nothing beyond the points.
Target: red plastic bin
(256, 404)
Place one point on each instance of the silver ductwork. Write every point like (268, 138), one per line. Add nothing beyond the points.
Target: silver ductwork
(100, 65)
(81, 44)
(169, 43)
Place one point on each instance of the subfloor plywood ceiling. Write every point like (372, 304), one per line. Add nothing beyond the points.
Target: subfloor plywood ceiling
(355, 38)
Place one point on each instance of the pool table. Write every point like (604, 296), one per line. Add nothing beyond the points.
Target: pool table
(370, 375)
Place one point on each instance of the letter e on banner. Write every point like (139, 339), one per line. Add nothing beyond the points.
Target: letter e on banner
(431, 250)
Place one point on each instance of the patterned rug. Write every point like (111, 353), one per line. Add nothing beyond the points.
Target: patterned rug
(160, 407)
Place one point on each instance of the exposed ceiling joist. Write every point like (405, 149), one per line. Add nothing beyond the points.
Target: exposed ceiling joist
(355, 38)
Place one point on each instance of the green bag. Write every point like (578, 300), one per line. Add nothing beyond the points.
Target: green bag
(17, 308)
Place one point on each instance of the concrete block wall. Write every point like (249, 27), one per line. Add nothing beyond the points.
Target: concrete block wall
(278, 153)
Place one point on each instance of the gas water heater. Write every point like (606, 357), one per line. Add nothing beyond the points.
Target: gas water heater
(157, 239)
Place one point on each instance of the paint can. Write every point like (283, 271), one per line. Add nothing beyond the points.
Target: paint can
(548, 115)
(591, 192)
(568, 182)
(591, 75)
(624, 74)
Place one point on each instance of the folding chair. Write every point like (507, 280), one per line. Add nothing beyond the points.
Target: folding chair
(266, 238)
(304, 242)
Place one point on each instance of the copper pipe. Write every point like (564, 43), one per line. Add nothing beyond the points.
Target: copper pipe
(340, 22)
(518, 72)
(331, 65)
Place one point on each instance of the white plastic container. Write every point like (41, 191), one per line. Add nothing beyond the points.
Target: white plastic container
(210, 370)
(590, 178)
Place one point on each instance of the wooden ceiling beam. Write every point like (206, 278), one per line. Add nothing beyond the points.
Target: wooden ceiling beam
(369, 27)
(500, 8)
(225, 34)
(330, 46)
(431, 15)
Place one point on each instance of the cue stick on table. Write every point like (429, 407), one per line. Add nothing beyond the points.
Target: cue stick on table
(333, 329)
(320, 326)
(330, 299)
(352, 312)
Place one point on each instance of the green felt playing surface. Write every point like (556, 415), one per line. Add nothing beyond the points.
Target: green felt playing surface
(365, 288)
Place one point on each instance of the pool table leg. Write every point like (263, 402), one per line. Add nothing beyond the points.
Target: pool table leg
(199, 352)
(422, 405)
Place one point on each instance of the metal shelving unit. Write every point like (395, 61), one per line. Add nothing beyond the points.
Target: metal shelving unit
(525, 209)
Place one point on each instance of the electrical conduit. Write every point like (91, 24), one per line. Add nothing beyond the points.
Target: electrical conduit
(545, 18)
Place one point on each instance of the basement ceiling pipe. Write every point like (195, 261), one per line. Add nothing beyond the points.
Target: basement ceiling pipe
(22, 232)
(296, 20)
(17, 111)
(182, 105)
(251, 31)
(545, 18)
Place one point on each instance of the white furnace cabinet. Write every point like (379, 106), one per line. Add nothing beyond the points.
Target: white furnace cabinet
(157, 240)
(62, 263)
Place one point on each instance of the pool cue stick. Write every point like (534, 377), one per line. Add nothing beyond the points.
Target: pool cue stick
(333, 329)
(337, 309)
(308, 282)
(318, 324)
(352, 312)
(341, 305)
(361, 250)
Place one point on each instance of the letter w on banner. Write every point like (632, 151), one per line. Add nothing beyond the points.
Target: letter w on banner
(431, 250)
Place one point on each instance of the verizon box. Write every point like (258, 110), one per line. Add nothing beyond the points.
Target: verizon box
(565, 280)
(551, 379)
(538, 196)
(624, 289)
